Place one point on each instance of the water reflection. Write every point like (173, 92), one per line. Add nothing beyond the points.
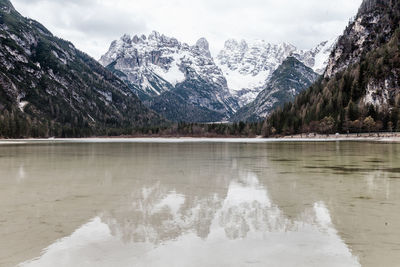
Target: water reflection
(200, 204)
(21, 174)
(237, 226)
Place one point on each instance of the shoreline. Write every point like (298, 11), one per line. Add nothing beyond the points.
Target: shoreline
(384, 138)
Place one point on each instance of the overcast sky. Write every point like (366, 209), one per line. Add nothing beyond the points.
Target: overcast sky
(92, 24)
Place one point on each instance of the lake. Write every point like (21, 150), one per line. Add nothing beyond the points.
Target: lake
(199, 204)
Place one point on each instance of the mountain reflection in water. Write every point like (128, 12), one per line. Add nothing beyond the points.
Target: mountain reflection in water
(239, 226)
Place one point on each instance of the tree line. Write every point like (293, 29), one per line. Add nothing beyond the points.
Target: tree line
(16, 124)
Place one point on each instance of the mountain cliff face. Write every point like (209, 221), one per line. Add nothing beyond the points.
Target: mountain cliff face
(248, 66)
(360, 89)
(373, 26)
(185, 83)
(159, 68)
(290, 79)
(373, 31)
(49, 88)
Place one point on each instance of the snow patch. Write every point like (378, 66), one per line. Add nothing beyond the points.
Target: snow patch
(322, 58)
(173, 75)
(22, 105)
(377, 93)
(238, 81)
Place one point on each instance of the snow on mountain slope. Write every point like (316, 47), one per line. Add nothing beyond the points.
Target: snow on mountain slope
(291, 78)
(173, 75)
(322, 57)
(141, 59)
(166, 57)
(248, 66)
(158, 64)
(318, 57)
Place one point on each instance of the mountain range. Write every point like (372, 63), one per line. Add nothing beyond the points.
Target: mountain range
(186, 83)
(50, 88)
(169, 75)
(248, 66)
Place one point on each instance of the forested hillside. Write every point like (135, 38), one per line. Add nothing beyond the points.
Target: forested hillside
(49, 88)
(360, 88)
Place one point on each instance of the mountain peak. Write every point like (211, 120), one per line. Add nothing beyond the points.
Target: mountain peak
(233, 44)
(202, 43)
(291, 60)
(154, 35)
(126, 38)
(204, 47)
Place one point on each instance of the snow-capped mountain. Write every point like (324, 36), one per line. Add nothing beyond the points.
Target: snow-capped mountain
(159, 68)
(185, 83)
(162, 56)
(291, 78)
(248, 66)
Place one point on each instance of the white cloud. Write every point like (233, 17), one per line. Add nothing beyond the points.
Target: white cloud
(92, 24)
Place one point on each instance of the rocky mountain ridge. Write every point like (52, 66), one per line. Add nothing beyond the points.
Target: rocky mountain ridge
(248, 66)
(50, 88)
(159, 67)
(162, 70)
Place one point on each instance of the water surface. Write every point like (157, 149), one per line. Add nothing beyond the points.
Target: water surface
(200, 204)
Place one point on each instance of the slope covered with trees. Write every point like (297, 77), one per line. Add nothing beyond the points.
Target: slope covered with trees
(49, 88)
(360, 88)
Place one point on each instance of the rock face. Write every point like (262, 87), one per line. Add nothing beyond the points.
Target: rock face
(370, 28)
(290, 79)
(49, 88)
(361, 80)
(159, 67)
(374, 33)
(367, 45)
(184, 82)
(249, 66)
